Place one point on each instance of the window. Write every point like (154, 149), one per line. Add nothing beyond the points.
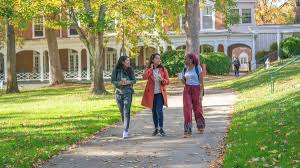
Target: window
(236, 16)
(298, 3)
(73, 61)
(207, 18)
(111, 60)
(38, 27)
(298, 18)
(36, 62)
(182, 22)
(73, 31)
(246, 15)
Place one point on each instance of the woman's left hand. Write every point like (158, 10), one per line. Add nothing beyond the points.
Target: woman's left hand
(160, 78)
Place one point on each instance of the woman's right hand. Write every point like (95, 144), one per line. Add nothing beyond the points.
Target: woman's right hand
(123, 82)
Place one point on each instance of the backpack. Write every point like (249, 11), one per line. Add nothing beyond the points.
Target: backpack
(236, 63)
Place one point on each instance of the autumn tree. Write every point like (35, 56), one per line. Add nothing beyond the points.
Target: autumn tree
(275, 12)
(51, 11)
(192, 15)
(135, 20)
(14, 15)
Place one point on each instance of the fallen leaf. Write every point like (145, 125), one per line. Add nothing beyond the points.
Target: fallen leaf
(273, 151)
(263, 148)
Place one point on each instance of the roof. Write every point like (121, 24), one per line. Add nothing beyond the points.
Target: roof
(292, 28)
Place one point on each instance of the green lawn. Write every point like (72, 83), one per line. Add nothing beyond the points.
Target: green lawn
(265, 128)
(37, 124)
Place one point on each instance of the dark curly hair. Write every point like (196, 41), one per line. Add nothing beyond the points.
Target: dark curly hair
(120, 65)
(194, 58)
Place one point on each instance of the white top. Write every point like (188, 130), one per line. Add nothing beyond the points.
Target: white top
(191, 76)
(156, 75)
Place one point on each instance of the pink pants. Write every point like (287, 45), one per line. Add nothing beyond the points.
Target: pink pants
(192, 101)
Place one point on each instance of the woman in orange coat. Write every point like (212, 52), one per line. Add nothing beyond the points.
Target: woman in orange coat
(155, 95)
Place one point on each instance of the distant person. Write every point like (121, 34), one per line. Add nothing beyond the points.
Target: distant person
(236, 64)
(123, 79)
(155, 95)
(192, 77)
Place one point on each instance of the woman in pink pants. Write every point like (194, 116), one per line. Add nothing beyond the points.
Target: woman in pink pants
(192, 94)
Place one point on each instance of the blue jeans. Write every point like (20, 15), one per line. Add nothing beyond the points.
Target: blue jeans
(124, 104)
(157, 111)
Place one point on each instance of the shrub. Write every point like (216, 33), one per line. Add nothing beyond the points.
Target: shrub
(173, 61)
(273, 47)
(217, 63)
(261, 54)
(290, 47)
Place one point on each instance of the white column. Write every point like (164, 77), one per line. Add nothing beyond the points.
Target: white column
(225, 47)
(165, 48)
(215, 47)
(50, 71)
(253, 60)
(158, 49)
(5, 65)
(181, 23)
(79, 64)
(88, 62)
(118, 52)
(41, 65)
(106, 57)
(136, 60)
(127, 53)
(144, 52)
(278, 44)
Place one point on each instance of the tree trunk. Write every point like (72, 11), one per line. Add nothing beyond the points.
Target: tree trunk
(12, 84)
(57, 76)
(192, 26)
(97, 86)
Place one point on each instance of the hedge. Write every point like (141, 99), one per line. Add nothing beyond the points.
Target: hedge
(216, 63)
(290, 47)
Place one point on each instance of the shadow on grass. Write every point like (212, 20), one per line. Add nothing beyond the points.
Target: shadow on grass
(265, 125)
(41, 94)
(24, 144)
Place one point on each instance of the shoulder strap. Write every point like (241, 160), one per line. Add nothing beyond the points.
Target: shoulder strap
(197, 70)
(184, 70)
(117, 74)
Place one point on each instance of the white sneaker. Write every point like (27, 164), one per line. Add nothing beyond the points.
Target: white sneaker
(125, 134)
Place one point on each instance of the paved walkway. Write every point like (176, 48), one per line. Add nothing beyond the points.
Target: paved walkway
(107, 149)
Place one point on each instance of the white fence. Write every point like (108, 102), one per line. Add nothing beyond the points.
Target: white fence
(31, 76)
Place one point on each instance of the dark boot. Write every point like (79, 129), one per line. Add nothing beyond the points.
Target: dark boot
(155, 132)
(162, 132)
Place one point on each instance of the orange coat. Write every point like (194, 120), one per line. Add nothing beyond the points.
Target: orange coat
(148, 97)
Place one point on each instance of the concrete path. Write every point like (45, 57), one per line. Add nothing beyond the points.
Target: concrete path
(108, 149)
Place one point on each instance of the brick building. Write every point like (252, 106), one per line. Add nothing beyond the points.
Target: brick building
(33, 62)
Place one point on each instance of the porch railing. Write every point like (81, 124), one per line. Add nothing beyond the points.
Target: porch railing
(72, 75)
